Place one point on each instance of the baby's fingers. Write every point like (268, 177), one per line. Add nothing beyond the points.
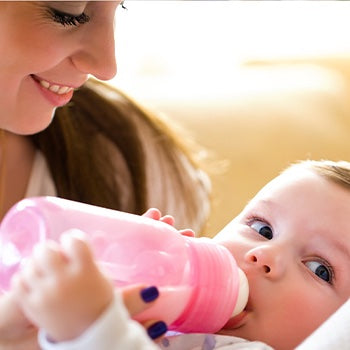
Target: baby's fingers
(187, 232)
(155, 214)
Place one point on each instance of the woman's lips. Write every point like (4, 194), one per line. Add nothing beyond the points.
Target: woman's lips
(57, 95)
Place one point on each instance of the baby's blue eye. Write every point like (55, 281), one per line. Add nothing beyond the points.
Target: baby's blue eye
(262, 228)
(321, 270)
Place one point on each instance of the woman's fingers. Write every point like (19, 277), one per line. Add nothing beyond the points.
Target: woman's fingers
(139, 298)
(155, 329)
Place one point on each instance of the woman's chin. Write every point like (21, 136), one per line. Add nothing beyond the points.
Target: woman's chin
(24, 127)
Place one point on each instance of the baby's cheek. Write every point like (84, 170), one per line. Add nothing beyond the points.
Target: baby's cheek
(236, 249)
(304, 313)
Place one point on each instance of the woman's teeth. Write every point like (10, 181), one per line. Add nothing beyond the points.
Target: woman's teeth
(60, 90)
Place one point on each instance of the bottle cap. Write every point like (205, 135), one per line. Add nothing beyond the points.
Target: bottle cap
(216, 280)
(243, 293)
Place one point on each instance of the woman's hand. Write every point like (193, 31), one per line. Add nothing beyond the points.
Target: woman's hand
(16, 331)
(155, 214)
(138, 298)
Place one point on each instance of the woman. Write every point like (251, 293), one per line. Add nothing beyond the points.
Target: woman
(48, 51)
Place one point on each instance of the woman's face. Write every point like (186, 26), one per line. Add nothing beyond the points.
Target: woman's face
(47, 49)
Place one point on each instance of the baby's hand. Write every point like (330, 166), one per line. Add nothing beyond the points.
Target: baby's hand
(16, 331)
(155, 214)
(61, 289)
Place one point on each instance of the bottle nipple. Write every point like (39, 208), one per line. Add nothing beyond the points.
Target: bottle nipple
(243, 293)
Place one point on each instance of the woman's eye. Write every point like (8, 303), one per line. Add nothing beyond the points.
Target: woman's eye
(67, 19)
(262, 228)
(321, 270)
(122, 4)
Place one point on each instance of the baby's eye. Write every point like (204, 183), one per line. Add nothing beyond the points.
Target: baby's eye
(262, 228)
(321, 270)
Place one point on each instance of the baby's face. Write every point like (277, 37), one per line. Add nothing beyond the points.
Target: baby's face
(293, 242)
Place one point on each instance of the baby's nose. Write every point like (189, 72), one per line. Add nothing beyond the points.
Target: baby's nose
(267, 259)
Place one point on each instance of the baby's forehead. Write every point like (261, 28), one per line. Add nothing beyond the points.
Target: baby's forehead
(291, 179)
(304, 192)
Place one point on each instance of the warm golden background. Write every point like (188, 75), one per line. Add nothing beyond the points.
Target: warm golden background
(258, 84)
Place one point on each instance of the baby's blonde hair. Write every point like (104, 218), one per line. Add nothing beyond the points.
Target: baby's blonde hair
(335, 171)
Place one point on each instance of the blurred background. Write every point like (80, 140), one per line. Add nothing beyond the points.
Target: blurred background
(259, 84)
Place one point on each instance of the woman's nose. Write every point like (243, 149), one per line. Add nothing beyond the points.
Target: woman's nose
(267, 260)
(97, 53)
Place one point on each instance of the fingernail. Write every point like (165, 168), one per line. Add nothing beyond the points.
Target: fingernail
(149, 294)
(157, 329)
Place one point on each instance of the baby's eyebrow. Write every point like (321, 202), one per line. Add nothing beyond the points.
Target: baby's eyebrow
(340, 246)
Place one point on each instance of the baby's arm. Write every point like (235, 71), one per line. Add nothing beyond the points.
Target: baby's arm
(111, 331)
(62, 291)
(16, 331)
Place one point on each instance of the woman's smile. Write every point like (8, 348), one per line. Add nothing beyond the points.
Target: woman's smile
(56, 94)
(66, 48)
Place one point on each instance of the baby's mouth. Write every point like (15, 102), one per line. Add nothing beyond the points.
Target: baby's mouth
(238, 320)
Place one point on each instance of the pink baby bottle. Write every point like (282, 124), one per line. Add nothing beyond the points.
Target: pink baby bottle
(200, 285)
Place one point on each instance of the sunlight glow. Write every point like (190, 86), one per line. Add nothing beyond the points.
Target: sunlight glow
(173, 41)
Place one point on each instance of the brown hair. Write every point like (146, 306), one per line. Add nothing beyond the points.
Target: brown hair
(81, 165)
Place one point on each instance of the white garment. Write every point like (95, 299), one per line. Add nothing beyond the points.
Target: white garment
(209, 342)
(113, 330)
(40, 181)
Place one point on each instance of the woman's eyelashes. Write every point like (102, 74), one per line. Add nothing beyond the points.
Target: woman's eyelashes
(321, 269)
(67, 19)
(261, 227)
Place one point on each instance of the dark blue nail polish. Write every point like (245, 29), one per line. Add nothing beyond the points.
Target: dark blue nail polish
(149, 294)
(157, 329)
(165, 342)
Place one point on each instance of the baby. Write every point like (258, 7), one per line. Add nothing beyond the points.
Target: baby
(292, 240)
